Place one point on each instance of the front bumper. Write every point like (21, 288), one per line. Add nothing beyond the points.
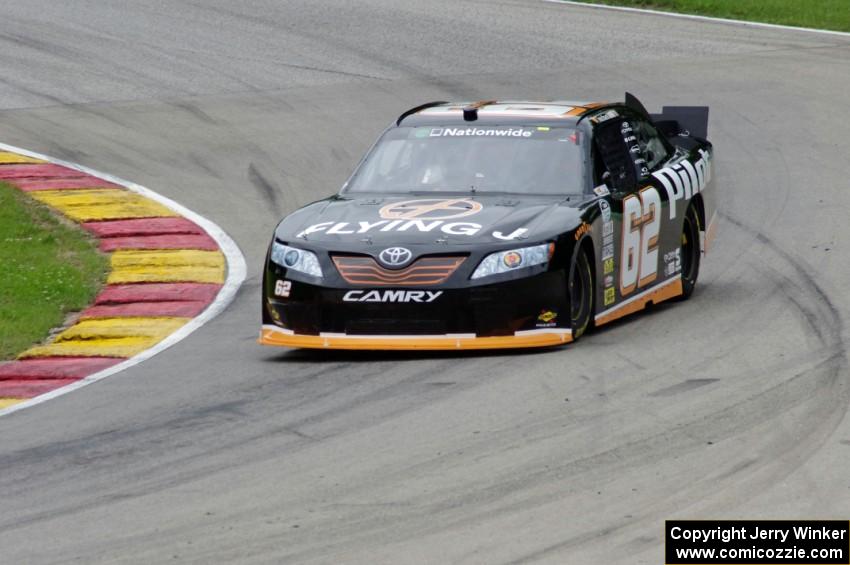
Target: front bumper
(528, 312)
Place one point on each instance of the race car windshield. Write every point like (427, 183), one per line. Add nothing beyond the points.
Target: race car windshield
(519, 159)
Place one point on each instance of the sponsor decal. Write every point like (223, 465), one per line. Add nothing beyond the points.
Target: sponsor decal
(547, 316)
(282, 288)
(581, 230)
(480, 132)
(546, 319)
(424, 216)
(640, 162)
(516, 234)
(607, 250)
(604, 116)
(395, 256)
(685, 179)
(391, 295)
(607, 231)
(424, 226)
(672, 262)
(605, 208)
(608, 280)
(430, 209)
(601, 190)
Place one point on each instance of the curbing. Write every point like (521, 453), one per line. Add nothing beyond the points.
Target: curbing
(69, 371)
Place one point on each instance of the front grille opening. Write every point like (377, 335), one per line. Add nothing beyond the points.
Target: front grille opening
(425, 271)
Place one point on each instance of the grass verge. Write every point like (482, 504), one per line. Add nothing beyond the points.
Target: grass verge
(48, 268)
(822, 14)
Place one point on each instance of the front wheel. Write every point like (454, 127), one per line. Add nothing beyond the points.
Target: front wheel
(581, 295)
(690, 252)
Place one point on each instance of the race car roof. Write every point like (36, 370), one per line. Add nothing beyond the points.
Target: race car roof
(554, 112)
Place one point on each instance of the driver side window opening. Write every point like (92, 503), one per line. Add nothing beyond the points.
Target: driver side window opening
(599, 168)
(651, 146)
(613, 162)
(626, 149)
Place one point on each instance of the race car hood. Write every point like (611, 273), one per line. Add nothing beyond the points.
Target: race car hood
(343, 221)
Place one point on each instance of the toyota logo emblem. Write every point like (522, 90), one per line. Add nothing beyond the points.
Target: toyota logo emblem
(395, 256)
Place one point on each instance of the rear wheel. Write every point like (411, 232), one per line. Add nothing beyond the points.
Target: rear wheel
(690, 251)
(581, 295)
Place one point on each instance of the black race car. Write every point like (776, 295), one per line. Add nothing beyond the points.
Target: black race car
(497, 224)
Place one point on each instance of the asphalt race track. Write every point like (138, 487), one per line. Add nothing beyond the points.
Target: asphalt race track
(733, 404)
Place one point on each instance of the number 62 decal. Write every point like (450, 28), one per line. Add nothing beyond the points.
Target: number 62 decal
(641, 223)
(282, 288)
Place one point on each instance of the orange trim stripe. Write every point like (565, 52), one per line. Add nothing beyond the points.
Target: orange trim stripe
(481, 104)
(664, 292)
(710, 233)
(270, 335)
(579, 110)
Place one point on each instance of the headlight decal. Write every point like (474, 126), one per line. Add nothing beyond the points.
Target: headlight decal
(513, 259)
(296, 259)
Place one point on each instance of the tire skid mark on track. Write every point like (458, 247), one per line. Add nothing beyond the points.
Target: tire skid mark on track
(761, 472)
(827, 324)
(827, 378)
(110, 336)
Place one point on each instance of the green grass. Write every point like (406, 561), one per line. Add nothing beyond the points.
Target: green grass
(48, 268)
(822, 14)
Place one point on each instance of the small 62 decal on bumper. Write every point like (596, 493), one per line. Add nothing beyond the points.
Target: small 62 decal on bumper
(282, 288)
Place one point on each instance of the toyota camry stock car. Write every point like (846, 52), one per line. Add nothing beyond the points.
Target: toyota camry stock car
(497, 224)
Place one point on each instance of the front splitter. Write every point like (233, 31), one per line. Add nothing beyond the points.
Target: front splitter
(273, 335)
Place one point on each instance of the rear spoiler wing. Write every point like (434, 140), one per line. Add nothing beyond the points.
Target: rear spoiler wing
(675, 120)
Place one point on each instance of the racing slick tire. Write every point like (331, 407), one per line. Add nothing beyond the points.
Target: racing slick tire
(690, 251)
(580, 289)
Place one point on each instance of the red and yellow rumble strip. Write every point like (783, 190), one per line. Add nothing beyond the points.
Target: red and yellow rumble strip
(165, 270)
